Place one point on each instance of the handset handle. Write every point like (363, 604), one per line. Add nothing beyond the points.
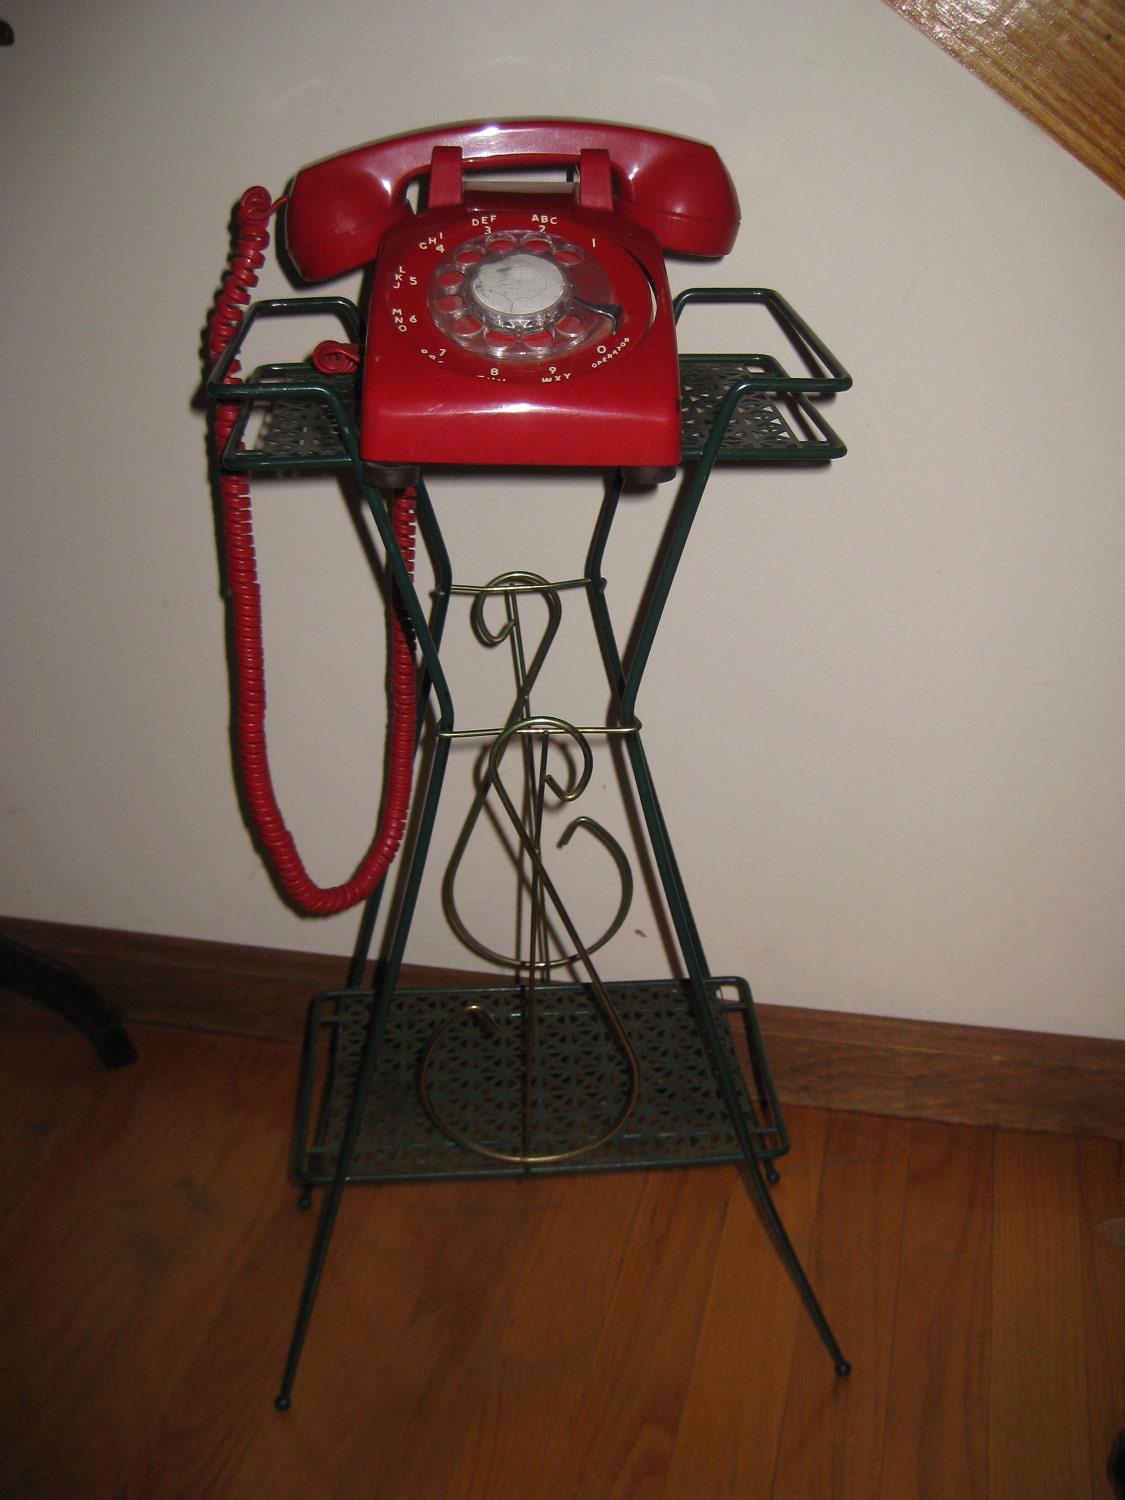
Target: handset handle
(678, 189)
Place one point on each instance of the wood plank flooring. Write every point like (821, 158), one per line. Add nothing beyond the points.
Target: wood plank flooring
(618, 1336)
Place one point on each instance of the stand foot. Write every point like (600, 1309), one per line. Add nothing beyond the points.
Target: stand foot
(305, 1200)
(796, 1271)
(283, 1403)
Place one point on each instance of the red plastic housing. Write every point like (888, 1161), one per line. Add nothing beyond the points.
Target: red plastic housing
(589, 376)
(613, 400)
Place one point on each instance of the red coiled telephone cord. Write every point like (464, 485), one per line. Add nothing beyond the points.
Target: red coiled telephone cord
(252, 218)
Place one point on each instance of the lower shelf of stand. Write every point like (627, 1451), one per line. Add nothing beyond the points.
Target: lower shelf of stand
(580, 1082)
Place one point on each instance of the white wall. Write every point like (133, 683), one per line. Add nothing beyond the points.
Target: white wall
(900, 678)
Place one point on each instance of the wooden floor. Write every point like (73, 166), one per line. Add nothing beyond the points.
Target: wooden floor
(623, 1336)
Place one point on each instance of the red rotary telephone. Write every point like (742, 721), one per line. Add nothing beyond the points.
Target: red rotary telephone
(516, 324)
(509, 324)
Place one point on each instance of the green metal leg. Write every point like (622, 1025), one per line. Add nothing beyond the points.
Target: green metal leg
(380, 1008)
(697, 973)
(626, 680)
(428, 633)
(439, 559)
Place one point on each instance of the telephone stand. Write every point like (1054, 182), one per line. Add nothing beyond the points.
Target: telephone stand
(538, 1076)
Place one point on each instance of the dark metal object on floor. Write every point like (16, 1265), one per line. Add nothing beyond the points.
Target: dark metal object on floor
(63, 989)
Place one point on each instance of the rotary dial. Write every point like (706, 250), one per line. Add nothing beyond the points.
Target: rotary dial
(511, 296)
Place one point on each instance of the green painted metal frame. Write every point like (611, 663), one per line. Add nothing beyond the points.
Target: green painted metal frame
(759, 387)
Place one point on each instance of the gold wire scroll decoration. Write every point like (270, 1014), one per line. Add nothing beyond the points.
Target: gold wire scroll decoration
(547, 907)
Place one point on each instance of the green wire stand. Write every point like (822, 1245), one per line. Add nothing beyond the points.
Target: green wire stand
(537, 1076)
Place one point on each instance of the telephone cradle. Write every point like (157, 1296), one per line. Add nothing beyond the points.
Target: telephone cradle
(520, 327)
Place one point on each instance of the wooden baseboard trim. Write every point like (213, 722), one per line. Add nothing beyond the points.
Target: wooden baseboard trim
(974, 1075)
(968, 1075)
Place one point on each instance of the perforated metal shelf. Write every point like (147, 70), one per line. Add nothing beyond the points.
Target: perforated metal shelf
(291, 416)
(298, 421)
(579, 1079)
(769, 424)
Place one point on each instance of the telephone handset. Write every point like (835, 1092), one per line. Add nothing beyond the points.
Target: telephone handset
(516, 324)
(522, 324)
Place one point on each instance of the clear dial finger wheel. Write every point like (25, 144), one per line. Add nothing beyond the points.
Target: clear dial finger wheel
(511, 296)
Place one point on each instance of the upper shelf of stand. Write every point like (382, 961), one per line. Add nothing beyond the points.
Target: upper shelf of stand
(736, 408)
